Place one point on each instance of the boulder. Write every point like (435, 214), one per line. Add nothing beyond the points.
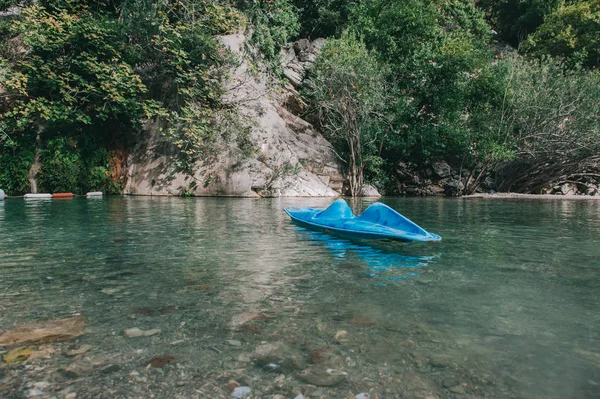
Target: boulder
(368, 190)
(568, 189)
(453, 188)
(299, 58)
(50, 331)
(442, 169)
(326, 368)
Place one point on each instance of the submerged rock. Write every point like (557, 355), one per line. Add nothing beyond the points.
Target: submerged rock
(18, 355)
(111, 291)
(341, 336)
(322, 376)
(283, 356)
(326, 369)
(241, 392)
(79, 351)
(161, 361)
(136, 332)
(362, 321)
(56, 330)
(111, 368)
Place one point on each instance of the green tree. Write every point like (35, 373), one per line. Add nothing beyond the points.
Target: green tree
(436, 54)
(348, 97)
(571, 32)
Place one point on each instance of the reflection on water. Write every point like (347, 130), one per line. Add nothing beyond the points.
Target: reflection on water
(382, 260)
(505, 307)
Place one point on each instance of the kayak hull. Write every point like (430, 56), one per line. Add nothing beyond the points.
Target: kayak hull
(378, 222)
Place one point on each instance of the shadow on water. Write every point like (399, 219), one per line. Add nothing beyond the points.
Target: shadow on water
(383, 259)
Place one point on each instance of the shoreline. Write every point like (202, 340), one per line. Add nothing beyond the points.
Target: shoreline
(532, 196)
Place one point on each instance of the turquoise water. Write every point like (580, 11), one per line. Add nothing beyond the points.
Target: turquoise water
(507, 305)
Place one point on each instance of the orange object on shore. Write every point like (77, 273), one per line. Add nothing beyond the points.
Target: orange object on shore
(62, 195)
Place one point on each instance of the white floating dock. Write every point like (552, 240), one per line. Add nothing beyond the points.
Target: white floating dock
(94, 194)
(37, 196)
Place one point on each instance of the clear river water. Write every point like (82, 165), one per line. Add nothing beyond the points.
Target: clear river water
(506, 306)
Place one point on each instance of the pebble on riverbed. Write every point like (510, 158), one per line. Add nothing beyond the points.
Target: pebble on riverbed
(161, 361)
(79, 351)
(241, 392)
(136, 332)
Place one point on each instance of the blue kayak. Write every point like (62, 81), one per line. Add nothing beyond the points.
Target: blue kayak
(378, 221)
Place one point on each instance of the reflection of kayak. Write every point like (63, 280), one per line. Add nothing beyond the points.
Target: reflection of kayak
(378, 221)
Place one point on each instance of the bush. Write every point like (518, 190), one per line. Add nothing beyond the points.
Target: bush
(61, 167)
(274, 23)
(552, 116)
(16, 160)
(516, 19)
(571, 32)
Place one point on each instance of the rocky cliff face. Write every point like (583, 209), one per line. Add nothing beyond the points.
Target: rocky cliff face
(290, 157)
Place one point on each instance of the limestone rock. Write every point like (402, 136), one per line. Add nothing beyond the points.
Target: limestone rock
(56, 330)
(289, 157)
(299, 58)
(368, 190)
(568, 189)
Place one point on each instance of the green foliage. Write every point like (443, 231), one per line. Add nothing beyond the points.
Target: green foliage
(89, 84)
(275, 22)
(571, 32)
(324, 18)
(5, 4)
(94, 71)
(555, 110)
(62, 167)
(348, 97)
(78, 167)
(516, 19)
(441, 64)
(552, 115)
(16, 160)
